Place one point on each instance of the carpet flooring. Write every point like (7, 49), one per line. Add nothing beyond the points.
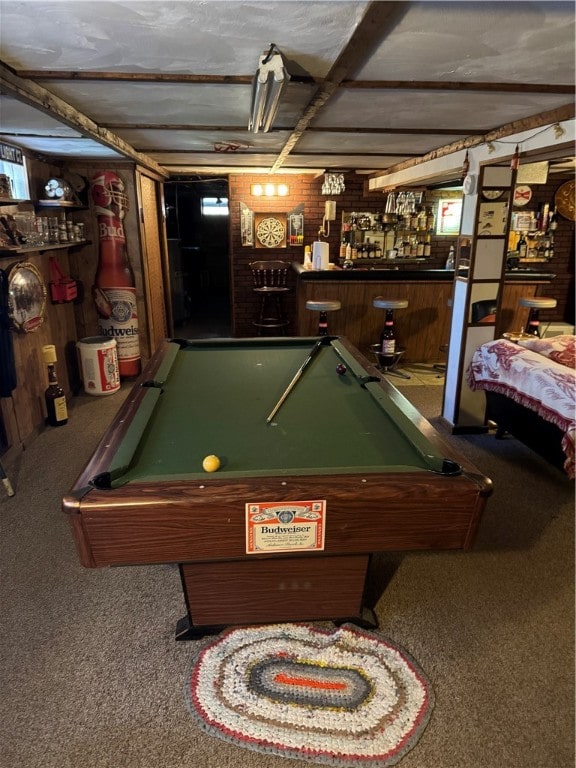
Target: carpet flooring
(91, 677)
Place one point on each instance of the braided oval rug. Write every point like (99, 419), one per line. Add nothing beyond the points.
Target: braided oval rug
(343, 697)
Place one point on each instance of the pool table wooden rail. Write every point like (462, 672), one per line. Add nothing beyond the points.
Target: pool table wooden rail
(365, 513)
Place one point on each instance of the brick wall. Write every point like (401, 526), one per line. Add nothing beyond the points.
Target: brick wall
(562, 288)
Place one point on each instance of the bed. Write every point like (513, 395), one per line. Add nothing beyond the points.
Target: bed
(530, 388)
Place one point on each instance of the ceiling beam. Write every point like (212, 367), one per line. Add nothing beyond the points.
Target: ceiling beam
(310, 129)
(444, 85)
(518, 126)
(192, 79)
(41, 99)
(379, 19)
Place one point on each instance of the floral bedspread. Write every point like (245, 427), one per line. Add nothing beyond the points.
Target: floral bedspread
(541, 378)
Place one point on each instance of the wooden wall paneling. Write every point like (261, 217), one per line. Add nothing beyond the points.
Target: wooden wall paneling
(26, 412)
(152, 261)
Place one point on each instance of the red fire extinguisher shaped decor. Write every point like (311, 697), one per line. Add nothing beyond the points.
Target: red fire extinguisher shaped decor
(114, 290)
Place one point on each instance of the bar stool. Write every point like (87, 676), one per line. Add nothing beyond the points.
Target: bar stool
(389, 365)
(535, 304)
(270, 278)
(323, 307)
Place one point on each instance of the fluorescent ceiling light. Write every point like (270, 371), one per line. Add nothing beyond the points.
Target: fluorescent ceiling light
(269, 82)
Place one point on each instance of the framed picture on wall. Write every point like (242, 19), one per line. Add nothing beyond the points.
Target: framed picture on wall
(449, 215)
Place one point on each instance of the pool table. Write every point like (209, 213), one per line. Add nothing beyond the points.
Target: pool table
(284, 530)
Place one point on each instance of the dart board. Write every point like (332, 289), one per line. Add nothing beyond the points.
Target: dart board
(270, 231)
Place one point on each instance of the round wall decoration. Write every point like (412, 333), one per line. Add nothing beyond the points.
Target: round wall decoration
(565, 200)
(271, 232)
(26, 296)
(522, 195)
(343, 698)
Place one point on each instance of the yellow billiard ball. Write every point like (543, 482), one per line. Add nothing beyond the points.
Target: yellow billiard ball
(211, 463)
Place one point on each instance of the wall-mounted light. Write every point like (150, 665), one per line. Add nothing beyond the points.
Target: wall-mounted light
(269, 82)
(333, 184)
(269, 190)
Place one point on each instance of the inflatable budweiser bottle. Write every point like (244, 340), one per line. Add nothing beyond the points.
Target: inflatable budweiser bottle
(114, 290)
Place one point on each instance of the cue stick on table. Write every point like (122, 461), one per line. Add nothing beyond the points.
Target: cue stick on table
(5, 481)
(297, 376)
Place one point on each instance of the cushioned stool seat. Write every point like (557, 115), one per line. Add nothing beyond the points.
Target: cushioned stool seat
(323, 306)
(535, 304)
(381, 303)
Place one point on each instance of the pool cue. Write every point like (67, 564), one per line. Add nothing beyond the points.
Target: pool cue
(297, 376)
(5, 481)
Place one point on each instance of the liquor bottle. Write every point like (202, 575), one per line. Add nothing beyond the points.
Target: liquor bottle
(552, 221)
(307, 257)
(522, 247)
(427, 247)
(56, 409)
(114, 290)
(388, 336)
(450, 261)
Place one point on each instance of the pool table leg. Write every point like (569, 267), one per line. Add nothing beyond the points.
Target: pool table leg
(186, 630)
(366, 620)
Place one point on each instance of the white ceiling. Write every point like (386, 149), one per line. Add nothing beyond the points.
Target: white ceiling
(380, 83)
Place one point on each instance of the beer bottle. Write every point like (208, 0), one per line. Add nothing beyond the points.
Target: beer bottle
(388, 336)
(533, 324)
(114, 290)
(56, 409)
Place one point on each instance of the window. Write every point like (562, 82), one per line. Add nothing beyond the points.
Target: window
(215, 206)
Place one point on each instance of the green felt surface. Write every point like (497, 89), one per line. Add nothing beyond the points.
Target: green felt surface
(216, 399)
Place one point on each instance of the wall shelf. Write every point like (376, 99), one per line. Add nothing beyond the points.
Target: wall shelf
(18, 250)
(69, 204)
(11, 201)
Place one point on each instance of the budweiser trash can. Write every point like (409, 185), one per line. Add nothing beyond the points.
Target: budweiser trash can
(99, 365)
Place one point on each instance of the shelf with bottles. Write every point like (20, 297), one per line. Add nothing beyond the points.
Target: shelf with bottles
(24, 230)
(531, 246)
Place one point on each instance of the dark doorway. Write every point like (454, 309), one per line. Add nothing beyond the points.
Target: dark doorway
(197, 225)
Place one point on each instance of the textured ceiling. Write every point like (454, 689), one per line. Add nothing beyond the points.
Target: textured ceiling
(375, 84)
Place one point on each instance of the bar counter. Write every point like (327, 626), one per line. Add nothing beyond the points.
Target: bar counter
(424, 326)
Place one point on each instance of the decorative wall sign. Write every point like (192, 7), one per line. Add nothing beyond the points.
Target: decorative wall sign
(492, 219)
(246, 225)
(296, 226)
(449, 216)
(270, 230)
(522, 195)
(27, 297)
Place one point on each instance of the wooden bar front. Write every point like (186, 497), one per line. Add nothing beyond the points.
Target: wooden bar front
(421, 329)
